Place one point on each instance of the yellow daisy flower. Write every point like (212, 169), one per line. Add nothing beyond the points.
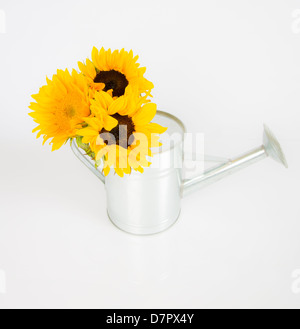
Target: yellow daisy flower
(61, 107)
(120, 131)
(115, 70)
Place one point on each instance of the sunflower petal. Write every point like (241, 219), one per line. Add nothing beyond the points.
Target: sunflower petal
(145, 114)
(103, 99)
(117, 106)
(155, 128)
(109, 123)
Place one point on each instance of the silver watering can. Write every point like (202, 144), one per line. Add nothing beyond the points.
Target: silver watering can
(150, 203)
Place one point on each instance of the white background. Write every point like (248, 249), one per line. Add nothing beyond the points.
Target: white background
(224, 68)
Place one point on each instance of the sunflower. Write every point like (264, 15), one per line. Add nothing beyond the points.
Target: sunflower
(115, 70)
(120, 131)
(61, 107)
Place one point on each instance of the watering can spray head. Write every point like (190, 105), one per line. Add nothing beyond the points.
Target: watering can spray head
(270, 148)
(273, 148)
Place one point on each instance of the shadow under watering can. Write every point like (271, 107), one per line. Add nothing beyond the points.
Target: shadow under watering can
(150, 203)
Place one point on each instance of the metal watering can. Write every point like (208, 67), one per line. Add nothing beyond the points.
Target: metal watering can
(150, 203)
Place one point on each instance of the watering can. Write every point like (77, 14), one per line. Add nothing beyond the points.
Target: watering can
(150, 203)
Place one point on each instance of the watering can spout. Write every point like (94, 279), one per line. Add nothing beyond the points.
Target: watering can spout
(270, 148)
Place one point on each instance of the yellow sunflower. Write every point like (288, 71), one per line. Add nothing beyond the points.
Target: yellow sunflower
(120, 131)
(115, 70)
(61, 107)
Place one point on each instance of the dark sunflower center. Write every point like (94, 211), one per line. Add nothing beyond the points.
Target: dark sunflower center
(121, 134)
(113, 80)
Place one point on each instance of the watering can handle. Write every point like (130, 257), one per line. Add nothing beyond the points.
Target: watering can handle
(86, 161)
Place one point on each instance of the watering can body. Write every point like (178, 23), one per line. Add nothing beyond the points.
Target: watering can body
(145, 203)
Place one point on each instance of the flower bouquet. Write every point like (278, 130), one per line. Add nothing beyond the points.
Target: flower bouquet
(105, 108)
